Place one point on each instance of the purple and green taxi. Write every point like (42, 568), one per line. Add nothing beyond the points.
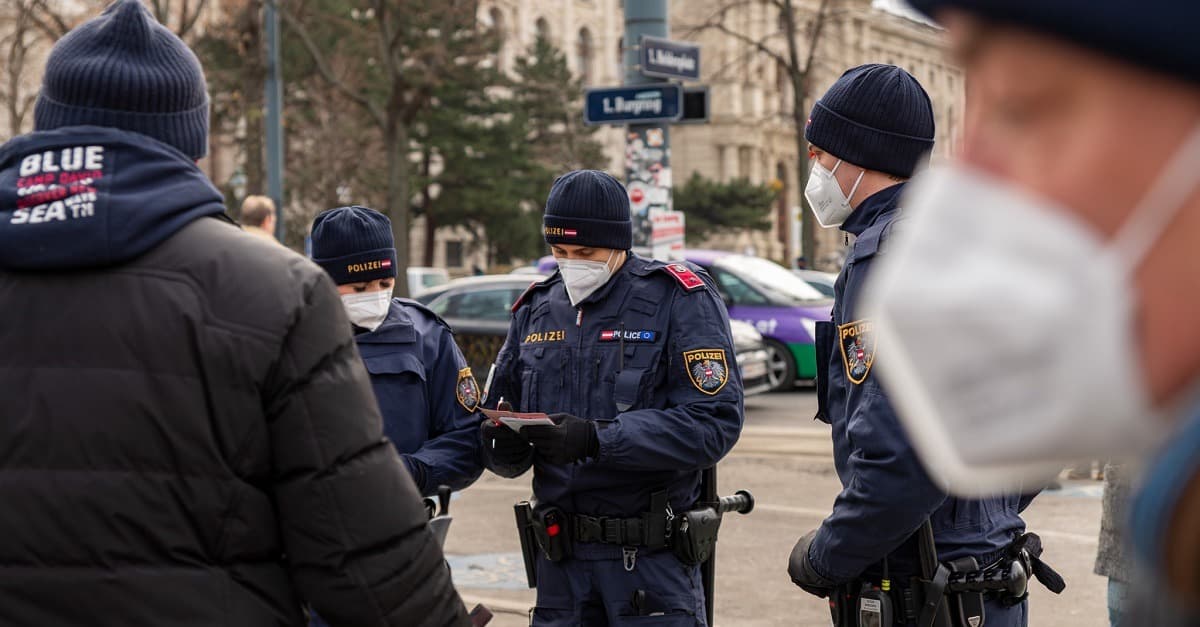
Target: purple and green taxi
(780, 305)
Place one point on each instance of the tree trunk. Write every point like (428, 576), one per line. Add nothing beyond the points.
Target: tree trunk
(427, 207)
(808, 224)
(398, 197)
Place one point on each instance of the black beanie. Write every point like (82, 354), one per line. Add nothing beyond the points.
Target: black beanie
(588, 208)
(125, 70)
(875, 116)
(354, 244)
(1158, 35)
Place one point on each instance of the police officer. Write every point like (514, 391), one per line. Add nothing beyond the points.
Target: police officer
(634, 359)
(867, 134)
(425, 389)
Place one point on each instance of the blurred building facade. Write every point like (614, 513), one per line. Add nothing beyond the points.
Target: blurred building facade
(751, 133)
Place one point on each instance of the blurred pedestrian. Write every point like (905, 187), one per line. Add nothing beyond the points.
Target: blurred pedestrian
(258, 216)
(634, 360)
(1081, 163)
(187, 434)
(424, 387)
(867, 135)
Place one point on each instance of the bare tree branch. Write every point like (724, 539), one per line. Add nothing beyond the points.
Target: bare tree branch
(815, 38)
(323, 66)
(48, 21)
(716, 22)
(188, 21)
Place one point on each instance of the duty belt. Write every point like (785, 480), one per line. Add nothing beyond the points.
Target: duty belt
(652, 529)
(622, 531)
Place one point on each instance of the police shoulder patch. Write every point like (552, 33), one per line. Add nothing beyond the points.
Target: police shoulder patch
(857, 343)
(466, 390)
(687, 279)
(707, 368)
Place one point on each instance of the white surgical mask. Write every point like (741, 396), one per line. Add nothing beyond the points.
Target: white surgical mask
(583, 277)
(1006, 328)
(368, 309)
(825, 196)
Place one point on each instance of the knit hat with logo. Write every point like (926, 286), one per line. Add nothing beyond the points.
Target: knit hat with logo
(124, 70)
(354, 244)
(588, 208)
(875, 116)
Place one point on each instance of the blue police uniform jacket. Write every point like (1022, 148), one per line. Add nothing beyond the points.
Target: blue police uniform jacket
(886, 493)
(427, 395)
(650, 358)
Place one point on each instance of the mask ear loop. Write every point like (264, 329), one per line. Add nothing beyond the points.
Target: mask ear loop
(1145, 226)
(856, 184)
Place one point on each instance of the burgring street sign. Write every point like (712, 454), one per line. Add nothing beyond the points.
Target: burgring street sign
(663, 58)
(634, 104)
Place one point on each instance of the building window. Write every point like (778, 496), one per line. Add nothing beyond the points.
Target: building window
(497, 19)
(583, 55)
(620, 57)
(454, 254)
(783, 87)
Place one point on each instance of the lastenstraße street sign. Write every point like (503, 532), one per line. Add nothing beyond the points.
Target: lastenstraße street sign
(663, 58)
(633, 104)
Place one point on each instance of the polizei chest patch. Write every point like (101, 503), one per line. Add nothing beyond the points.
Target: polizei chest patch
(707, 368)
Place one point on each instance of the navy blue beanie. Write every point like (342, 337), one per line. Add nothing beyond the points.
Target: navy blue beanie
(1157, 34)
(588, 208)
(875, 116)
(125, 70)
(354, 244)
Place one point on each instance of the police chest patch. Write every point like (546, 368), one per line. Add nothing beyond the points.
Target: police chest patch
(467, 390)
(628, 335)
(707, 368)
(857, 342)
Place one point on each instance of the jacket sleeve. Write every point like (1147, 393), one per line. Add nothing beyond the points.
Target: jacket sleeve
(697, 427)
(888, 496)
(354, 530)
(506, 385)
(451, 455)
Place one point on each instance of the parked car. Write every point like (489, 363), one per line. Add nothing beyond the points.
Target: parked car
(821, 281)
(422, 278)
(478, 309)
(780, 305)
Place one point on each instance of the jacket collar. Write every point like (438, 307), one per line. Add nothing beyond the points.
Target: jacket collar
(871, 208)
(397, 328)
(632, 264)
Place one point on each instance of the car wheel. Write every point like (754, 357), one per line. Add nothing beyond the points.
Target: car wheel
(781, 369)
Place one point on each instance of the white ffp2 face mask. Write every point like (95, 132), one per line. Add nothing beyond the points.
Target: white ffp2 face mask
(1006, 328)
(583, 277)
(368, 309)
(824, 194)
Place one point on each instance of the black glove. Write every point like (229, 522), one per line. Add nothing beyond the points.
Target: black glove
(570, 439)
(417, 470)
(506, 446)
(802, 572)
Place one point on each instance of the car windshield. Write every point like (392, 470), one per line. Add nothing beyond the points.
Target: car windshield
(770, 278)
